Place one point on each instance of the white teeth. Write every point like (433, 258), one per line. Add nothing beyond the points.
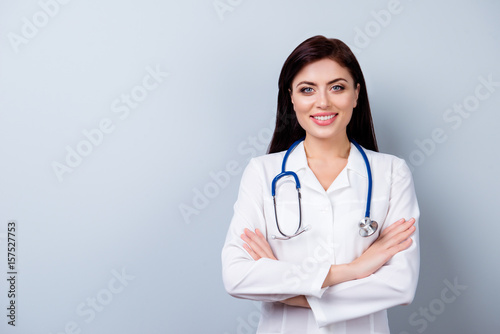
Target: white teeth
(324, 118)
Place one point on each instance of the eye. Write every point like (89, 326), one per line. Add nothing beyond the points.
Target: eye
(337, 88)
(306, 90)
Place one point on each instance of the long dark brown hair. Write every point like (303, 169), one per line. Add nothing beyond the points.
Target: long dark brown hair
(288, 129)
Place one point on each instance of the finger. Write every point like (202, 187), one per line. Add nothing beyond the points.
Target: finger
(393, 226)
(254, 252)
(400, 237)
(261, 242)
(251, 242)
(410, 221)
(254, 255)
(259, 233)
(264, 241)
(255, 246)
(408, 233)
(404, 245)
(405, 227)
(398, 227)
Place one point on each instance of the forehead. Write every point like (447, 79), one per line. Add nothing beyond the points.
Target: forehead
(322, 71)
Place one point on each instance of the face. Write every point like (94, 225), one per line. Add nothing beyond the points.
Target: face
(324, 95)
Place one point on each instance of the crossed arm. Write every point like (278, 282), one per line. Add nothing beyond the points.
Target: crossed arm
(392, 240)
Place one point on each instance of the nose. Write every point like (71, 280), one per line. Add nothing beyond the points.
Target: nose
(323, 101)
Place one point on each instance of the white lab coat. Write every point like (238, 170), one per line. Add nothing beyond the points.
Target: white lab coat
(353, 307)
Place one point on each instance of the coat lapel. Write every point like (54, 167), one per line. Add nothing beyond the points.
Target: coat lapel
(297, 162)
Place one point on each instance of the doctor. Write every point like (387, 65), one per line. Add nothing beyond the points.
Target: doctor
(326, 278)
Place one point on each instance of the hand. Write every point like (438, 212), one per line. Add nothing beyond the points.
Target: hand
(391, 241)
(299, 301)
(256, 245)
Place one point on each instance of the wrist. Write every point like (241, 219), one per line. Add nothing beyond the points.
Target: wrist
(353, 271)
(340, 273)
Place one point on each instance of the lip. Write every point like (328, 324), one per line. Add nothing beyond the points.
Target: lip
(325, 122)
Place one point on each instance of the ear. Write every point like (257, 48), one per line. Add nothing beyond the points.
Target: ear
(356, 93)
(291, 95)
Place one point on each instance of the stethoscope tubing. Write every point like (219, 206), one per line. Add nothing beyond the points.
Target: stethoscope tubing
(367, 226)
(369, 172)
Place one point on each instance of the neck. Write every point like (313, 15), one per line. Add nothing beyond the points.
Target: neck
(317, 148)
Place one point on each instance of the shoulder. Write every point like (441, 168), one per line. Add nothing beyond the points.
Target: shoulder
(267, 161)
(393, 168)
(263, 166)
(384, 159)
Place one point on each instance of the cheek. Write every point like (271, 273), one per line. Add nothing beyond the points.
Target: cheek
(301, 118)
(301, 112)
(345, 103)
(301, 105)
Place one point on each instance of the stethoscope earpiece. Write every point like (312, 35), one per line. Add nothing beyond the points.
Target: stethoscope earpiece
(367, 227)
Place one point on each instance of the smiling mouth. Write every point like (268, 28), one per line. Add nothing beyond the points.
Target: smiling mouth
(324, 118)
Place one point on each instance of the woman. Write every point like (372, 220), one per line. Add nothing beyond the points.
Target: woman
(328, 278)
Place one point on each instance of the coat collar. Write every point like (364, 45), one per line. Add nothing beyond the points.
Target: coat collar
(297, 162)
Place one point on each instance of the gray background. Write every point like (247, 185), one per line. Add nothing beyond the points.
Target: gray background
(119, 209)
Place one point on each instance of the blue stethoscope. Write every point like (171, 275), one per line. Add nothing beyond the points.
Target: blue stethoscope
(366, 226)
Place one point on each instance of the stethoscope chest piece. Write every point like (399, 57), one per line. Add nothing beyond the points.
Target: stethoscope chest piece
(367, 227)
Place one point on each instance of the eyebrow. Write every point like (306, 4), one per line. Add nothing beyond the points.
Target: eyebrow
(313, 84)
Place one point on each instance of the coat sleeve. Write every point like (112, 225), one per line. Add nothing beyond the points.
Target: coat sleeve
(394, 283)
(264, 279)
